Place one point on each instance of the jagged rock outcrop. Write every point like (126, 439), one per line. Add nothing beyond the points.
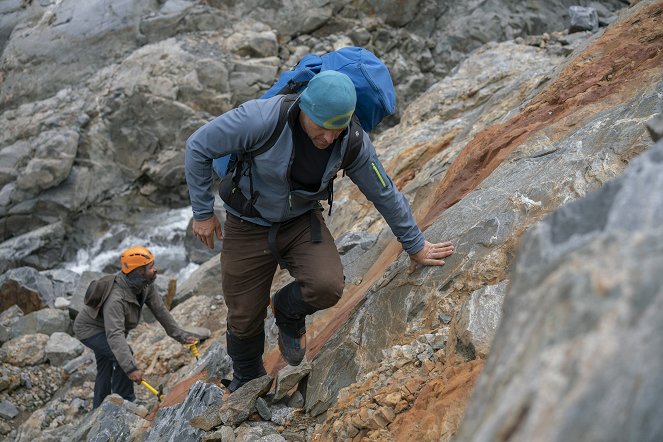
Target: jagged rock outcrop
(172, 423)
(582, 340)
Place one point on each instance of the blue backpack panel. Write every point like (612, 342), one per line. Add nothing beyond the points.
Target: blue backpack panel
(376, 97)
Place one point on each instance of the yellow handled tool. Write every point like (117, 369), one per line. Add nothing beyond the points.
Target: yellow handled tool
(194, 349)
(158, 393)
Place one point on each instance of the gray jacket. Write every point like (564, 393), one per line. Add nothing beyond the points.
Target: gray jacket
(249, 126)
(121, 314)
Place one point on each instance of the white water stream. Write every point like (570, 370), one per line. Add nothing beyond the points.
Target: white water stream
(163, 233)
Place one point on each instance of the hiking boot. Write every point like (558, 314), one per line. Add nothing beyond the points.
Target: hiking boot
(293, 348)
(290, 312)
(291, 344)
(237, 382)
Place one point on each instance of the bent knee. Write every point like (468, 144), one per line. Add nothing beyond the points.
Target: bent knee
(323, 294)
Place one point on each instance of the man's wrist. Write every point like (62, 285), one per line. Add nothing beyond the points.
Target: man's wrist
(203, 216)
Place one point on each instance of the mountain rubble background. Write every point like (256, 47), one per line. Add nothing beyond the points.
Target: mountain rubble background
(532, 148)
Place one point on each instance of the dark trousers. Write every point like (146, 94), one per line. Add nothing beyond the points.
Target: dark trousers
(110, 376)
(248, 267)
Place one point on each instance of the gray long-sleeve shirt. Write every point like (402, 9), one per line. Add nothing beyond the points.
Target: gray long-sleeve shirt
(245, 129)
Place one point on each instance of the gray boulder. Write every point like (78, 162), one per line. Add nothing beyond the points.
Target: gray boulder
(205, 280)
(62, 348)
(46, 321)
(583, 19)
(582, 339)
(26, 288)
(40, 248)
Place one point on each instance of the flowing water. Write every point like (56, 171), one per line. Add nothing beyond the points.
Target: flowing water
(164, 238)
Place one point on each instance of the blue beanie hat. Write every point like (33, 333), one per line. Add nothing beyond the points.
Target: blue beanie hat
(329, 100)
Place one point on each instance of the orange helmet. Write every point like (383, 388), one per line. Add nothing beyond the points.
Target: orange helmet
(135, 257)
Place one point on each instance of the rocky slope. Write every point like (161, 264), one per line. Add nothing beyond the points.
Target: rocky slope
(503, 148)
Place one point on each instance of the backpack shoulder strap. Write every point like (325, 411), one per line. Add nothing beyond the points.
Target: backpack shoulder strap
(286, 103)
(230, 183)
(355, 141)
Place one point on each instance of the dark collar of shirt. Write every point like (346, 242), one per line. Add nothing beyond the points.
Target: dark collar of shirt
(309, 162)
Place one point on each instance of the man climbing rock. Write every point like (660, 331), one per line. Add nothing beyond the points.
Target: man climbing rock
(274, 215)
(104, 324)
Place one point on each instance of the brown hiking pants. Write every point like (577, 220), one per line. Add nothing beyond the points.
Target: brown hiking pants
(248, 266)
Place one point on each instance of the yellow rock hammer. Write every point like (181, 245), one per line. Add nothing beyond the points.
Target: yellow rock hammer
(158, 393)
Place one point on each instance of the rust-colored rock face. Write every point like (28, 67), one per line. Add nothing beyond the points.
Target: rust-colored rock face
(439, 408)
(609, 71)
